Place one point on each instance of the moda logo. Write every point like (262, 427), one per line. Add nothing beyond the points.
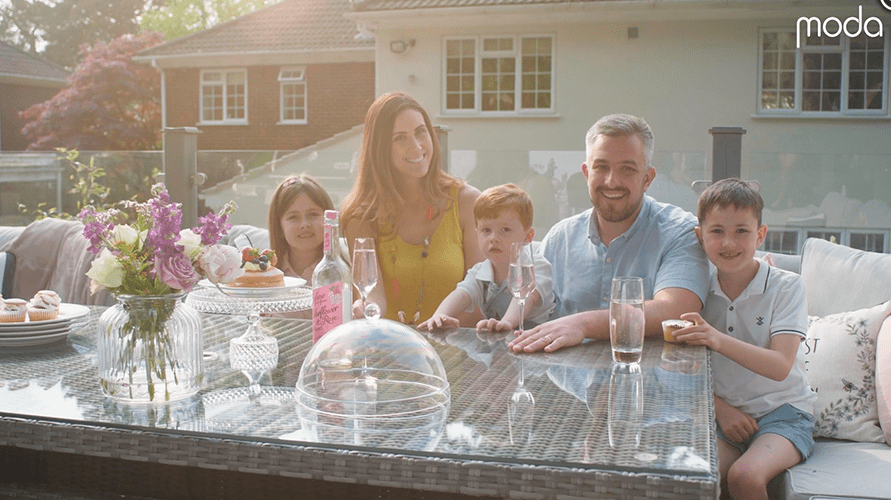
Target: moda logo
(833, 27)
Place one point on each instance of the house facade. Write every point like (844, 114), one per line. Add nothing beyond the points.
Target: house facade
(281, 78)
(520, 82)
(25, 80)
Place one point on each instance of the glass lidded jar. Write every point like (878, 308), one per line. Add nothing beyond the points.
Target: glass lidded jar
(150, 349)
(373, 383)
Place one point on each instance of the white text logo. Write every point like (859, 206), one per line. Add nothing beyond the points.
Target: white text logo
(834, 27)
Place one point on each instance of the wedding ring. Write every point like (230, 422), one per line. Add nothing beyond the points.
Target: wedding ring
(548, 337)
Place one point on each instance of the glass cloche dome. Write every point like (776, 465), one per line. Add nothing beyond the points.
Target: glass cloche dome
(373, 383)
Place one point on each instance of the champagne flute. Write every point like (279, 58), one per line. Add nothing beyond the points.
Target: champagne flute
(521, 276)
(365, 274)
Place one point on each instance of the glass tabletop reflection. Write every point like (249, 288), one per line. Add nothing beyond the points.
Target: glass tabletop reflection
(572, 408)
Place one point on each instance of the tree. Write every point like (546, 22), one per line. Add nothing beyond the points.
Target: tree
(58, 28)
(177, 18)
(110, 103)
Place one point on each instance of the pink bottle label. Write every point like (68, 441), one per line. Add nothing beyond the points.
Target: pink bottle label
(327, 309)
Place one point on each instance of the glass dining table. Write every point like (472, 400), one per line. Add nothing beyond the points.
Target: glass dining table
(569, 424)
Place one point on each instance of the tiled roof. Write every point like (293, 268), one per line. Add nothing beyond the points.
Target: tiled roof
(290, 25)
(20, 64)
(378, 5)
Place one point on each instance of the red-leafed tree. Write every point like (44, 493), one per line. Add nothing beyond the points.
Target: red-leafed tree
(111, 103)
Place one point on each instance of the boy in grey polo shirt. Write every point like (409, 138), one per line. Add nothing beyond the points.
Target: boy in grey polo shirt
(763, 403)
(503, 216)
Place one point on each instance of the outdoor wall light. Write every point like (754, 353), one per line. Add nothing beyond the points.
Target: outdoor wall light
(400, 46)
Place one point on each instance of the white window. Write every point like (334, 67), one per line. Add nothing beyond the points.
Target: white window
(790, 240)
(224, 96)
(499, 75)
(825, 76)
(292, 83)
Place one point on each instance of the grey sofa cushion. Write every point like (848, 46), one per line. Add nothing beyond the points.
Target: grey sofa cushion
(841, 279)
(238, 236)
(838, 469)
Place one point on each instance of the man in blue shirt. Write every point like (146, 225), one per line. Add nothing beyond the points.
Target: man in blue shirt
(626, 233)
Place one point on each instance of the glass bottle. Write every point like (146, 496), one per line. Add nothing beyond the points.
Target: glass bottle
(332, 292)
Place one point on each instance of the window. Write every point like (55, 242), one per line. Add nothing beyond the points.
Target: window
(292, 82)
(499, 75)
(781, 241)
(224, 96)
(826, 76)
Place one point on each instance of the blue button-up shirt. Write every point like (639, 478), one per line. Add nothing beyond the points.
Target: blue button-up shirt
(660, 246)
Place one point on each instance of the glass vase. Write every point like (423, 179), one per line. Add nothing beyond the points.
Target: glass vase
(150, 349)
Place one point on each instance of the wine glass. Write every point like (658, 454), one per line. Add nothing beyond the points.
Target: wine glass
(521, 276)
(365, 274)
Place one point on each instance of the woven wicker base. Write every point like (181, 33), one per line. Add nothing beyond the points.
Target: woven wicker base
(46, 475)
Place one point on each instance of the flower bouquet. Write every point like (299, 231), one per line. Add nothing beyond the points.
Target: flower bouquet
(151, 343)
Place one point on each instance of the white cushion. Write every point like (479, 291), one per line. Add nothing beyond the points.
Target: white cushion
(841, 279)
(883, 378)
(838, 469)
(841, 365)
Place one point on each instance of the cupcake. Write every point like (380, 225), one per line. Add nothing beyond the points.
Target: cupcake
(44, 306)
(13, 311)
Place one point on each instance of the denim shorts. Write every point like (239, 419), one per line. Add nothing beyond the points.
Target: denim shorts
(787, 421)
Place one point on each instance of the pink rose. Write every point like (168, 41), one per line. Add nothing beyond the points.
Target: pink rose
(177, 272)
(220, 263)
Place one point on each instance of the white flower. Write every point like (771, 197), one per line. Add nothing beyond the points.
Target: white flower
(220, 263)
(106, 270)
(126, 234)
(191, 243)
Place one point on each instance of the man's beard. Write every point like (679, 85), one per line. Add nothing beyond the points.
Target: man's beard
(615, 214)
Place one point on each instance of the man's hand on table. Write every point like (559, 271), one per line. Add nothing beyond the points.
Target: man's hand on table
(550, 336)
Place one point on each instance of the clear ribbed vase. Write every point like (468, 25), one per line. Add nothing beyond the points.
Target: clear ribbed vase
(150, 349)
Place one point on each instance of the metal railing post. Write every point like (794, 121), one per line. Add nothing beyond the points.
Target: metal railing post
(442, 133)
(181, 170)
(726, 152)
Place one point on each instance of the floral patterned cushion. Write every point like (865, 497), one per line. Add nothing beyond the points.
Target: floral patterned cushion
(841, 368)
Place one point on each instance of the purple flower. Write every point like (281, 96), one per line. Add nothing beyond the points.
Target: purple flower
(177, 272)
(96, 227)
(166, 219)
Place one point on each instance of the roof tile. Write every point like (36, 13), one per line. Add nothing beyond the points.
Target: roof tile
(15, 62)
(290, 25)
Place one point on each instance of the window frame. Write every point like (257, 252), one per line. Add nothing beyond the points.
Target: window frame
(844, 49)
(225, 107)
(284, 81)
(478, 55)
(844, 236)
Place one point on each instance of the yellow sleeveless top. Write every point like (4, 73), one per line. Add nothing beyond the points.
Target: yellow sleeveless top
(418, 277)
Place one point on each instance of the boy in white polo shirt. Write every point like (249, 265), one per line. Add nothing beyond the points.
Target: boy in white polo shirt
(763, 403)
(503, 216)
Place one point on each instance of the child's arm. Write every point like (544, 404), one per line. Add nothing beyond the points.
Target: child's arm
(511, 317)
(773, 363)
(735, 424)
(446, 314)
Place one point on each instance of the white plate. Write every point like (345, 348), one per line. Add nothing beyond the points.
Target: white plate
(33, 340)
(10, 334)
(67, 313)
(238, 291)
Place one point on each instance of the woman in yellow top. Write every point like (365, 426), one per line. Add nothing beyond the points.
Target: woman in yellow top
(420, 217)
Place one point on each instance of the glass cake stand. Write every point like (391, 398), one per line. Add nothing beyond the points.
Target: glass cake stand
(254, 353)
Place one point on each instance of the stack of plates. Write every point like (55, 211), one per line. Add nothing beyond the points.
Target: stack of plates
(32, 333)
